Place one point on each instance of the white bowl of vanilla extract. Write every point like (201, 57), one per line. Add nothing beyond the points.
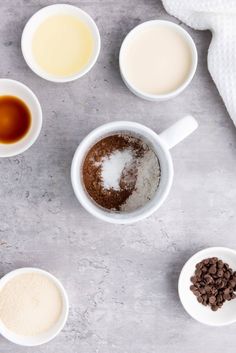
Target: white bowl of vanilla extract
(20, 118)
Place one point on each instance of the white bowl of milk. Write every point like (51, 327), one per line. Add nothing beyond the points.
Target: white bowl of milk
(158, 60)
(60, 43)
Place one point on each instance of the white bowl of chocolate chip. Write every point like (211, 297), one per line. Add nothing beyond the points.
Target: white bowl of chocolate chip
(207, 286)
(122, 171)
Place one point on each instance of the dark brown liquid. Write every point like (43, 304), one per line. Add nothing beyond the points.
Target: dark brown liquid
(15, 119)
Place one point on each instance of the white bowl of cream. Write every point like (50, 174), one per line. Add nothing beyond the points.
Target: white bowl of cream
(60, 43)
(33, 306)
(158, 60)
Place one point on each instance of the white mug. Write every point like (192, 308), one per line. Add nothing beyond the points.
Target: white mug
(161, 144)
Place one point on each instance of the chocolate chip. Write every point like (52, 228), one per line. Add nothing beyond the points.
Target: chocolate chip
(214, 291)
(208, 279)
(232, 283)
(198, 273)
(213, 283)
(212, 269)
(219, 298)
(224, 282)
(226, 291)
(193, 279)
(212, 300)
(227, 296)
(218, 282)
(214, 307)
(208, 289)
(220, 273)
(202, 290)
(196, 292)
(199, 299)
(227, 275)
(199, 266)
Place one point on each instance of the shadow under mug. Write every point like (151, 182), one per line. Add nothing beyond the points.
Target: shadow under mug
(161, 144)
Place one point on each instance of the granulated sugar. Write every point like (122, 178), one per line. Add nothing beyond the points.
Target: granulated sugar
(121, 172)
(113, 166)
(30, 304)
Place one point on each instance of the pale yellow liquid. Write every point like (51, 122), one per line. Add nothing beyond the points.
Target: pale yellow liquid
(62, 45)
(157, 60)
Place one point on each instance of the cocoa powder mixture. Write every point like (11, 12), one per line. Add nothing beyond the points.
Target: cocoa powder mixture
(111, 198)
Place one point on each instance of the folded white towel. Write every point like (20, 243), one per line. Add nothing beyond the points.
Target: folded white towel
(219, 16)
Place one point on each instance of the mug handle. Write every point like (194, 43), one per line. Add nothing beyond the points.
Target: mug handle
(179, 131)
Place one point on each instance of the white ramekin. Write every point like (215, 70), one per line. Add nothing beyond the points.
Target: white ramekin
(161, 144)
(14, 88)
(37, 19)
(225, 315)
(55, 330)
(132, 34)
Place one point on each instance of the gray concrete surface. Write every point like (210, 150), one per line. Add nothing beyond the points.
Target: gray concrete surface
(121, 280)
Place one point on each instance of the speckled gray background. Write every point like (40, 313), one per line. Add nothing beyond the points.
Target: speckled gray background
(121, 280)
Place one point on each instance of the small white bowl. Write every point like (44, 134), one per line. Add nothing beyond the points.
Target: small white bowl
(225, 315)
(17, 89)
(134, 32)
(40, 16)
(46, 336)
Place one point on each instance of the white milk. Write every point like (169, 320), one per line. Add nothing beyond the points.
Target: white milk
(157, 60)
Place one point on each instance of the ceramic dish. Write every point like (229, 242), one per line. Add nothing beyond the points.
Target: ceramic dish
(54, 331)
(37, 19)
(17, 89)
(224, 316)
(133, 33)
(161, 144)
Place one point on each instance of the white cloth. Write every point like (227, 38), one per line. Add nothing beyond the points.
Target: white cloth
(219, 16)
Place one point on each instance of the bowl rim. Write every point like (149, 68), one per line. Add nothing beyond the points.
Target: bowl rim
(43, 12)
(13, 337)
(182, 275)
(166, 96)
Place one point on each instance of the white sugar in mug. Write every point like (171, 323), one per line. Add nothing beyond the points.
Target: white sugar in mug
(161, 144)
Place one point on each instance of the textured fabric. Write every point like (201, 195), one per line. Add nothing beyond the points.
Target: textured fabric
(219, 16)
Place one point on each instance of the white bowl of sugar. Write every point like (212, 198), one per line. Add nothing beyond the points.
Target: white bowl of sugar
(33, 306)
(158, 60)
